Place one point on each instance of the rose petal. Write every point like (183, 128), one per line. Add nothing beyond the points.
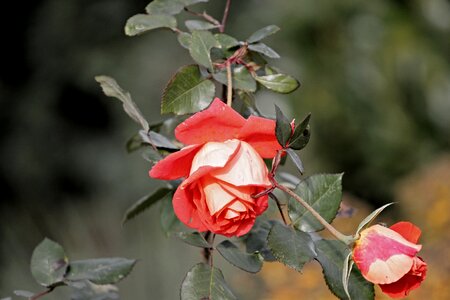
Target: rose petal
(245, 168)
(214, 154)
(215, 196)
(175, 165)
(408, 230)
(185, 210)
(217, 123)
(260, 134)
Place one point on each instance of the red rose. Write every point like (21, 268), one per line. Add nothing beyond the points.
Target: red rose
(222, 166)
(387, 256)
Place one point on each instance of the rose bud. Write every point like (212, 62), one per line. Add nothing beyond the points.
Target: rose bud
(223, 167)
(387, 257)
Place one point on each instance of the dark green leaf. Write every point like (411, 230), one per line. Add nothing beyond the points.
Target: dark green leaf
(156, 139)
(205, 282)
(100, 270)
(48, 263)
(262, 33)
(150, 155)
(144, 203)
(324, 193)
(199, 25)
(256, 239)
(248, 262)
(226, 41)
(192, 2)
(168, 220)
(296, 159)
(141, 23)
(331, 255)
(85, 290)
(200, 48)
(134, 143)
(25, 294)
(187, 92)
(264, 49)
(283, 129)
(241, 78)
(301, 135)
(184, 39)
(193, 239)
(112, 89)
(170, 7)
(292, 248)
(367, 220)
(279, 83)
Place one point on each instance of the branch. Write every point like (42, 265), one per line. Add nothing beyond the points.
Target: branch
(225, 16)
(43, 293)
(230, 84)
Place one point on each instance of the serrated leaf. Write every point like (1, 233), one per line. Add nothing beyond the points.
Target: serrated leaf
(157, 139)
(199, 25)
(324, 193)
(205, 282)
(200, 48)
(290, 247)
(245, 261)
(256, 239)
(168, 220)
(48, 263)
(187, 92)
(85, 290)
(112, 89)
(241, 78)
(264, 49)
(21, 293)
(279, 83)
(100, 270)
(170, 7)
(331, 255)
(193, 239)
(226, 41)
(144, 203)
(296, 159)
(141, 23)
(262, 33)
(184, 39)
(301, 135)
(283, 129)
(367, 220)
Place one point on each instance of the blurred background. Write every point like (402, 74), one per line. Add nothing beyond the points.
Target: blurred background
(375, 75)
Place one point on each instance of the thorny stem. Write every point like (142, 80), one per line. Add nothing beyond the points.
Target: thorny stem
(230, 85)
(43, 293)
(279, 207)
(207, 252)
(225, 16)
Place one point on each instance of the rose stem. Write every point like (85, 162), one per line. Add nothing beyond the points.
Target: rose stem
(346, 239)
(279, 207)
(41, 294)
(225, 16)
(207, 252)
(230, 85)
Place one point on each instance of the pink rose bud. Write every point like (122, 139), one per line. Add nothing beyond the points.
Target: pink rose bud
(387, 256)
(223, 167)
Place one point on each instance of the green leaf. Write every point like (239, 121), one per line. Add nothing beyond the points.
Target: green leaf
(187, 92)
(156, 139)
(100, 270)
(324, 193)
(226, 41)
(112, 89)
(292, 248)
(205, 282)
(331, 255)
(279, 83)
(256, 239)
(262, 33)
(21, 293)
(184, 39)
(85, 290)
(302, 132)
(48, 263)
(283, 129)
(192, 2)
(141, 23)
(168, 220)
(245, 261)
(296, 159)
(150, 155)
(200, 48)
(241, 78)
(144, 203)
(193, 239)
(199, 25)
(367, 220)
(264, 49)
(170, 7)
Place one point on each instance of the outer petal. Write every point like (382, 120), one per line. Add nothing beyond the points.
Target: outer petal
(260, 133)
(214, 154)
(410, 281)
(175, 165)
(185, 210)
(383, 255)
(217, 123)
(408, 230)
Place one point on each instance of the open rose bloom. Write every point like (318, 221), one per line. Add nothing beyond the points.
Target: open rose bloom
(387, 256)
(222, 166)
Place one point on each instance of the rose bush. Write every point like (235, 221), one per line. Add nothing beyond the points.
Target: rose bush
(223, 167)
(387, 256)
